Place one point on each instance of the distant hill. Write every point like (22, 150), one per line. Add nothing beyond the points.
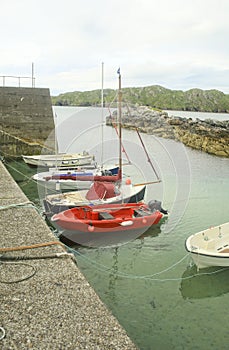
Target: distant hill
(153, 96)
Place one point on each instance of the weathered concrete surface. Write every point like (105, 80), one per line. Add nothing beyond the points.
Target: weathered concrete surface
(26, 114)
(56, 308)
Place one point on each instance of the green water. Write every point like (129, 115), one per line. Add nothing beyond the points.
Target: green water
(150, 284)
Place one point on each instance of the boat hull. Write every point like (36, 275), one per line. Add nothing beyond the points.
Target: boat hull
(114, 224)
(204, 261)
(68, 185)
(101, 239)
(210, 247)
(66, 180)
(54, 207)
(60, 161)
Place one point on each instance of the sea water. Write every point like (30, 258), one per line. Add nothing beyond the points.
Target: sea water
(150, 284)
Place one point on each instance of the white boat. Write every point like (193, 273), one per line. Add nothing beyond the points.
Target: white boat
(210, 247)
(99, 193)
(60, 160)
(72, 179)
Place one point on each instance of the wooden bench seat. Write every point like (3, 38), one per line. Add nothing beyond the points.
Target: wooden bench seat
(141, 212)
(104, 215)
(225, 250)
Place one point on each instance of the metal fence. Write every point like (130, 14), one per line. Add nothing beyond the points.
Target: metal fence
(8, 80)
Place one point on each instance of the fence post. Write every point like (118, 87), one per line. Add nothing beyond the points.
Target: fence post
(18, 78)
(32, 75)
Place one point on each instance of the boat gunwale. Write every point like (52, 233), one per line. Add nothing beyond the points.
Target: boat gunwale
(203, 252)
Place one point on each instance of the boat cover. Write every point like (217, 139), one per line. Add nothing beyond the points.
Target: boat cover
(102, 190)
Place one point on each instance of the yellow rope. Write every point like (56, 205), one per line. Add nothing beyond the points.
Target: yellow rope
(38, 245)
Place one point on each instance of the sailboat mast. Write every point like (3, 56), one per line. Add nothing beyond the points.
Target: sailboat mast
(120, 121)
(56, 143)
(102, 116)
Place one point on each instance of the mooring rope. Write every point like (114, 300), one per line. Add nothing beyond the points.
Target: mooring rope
(5, 259)
(37, 245)
(108, 270)
(3, 333)
(18, 205)
(34, 270)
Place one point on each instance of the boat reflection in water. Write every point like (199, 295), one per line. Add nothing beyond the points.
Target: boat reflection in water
(145, 238)
(213, 282)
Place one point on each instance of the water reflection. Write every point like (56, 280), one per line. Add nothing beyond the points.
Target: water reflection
(145, 238)
(207, 283)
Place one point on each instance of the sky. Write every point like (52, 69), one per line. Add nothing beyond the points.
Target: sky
(178, 44)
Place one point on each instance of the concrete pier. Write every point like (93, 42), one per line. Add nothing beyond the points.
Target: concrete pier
(26, 121)
(46, 303)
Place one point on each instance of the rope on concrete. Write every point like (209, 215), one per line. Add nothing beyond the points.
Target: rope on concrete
(38, 245)
(26, 204)
(50, 256)
(34, 270)
(3, 333)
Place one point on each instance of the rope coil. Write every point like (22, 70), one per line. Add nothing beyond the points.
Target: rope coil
(3, 333)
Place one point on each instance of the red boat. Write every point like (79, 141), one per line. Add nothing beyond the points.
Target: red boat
(108, 224)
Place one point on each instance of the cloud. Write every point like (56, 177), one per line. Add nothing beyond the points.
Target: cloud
(171, 42)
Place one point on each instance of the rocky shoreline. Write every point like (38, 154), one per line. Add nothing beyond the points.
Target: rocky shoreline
(210, 136)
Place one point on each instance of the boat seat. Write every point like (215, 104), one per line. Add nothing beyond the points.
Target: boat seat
(141, 212)
(104, 215)
(224, 249)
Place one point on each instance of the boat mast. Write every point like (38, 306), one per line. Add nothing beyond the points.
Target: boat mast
(56, 143)
(102, 117)
(120, 121)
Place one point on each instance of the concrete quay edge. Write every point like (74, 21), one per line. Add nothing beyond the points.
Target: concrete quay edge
(55, 308)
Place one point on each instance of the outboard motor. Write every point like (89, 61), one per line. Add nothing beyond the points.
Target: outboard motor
(106, 172)
(156, 205)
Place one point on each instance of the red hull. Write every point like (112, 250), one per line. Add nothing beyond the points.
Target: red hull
(108, 218)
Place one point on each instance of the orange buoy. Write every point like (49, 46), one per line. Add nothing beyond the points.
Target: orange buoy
(128, 181)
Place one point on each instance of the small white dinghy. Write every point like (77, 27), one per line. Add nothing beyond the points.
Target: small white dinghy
(60, 160)
(210, 247)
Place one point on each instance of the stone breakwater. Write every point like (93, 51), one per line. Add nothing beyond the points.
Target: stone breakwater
(210, 136)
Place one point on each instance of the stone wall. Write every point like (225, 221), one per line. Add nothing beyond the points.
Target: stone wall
(13, 147)
(26, 119)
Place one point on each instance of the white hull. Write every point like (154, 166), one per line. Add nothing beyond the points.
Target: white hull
(203, 261)
(60, 160)
(63, 201)
(45, 180)
(210, 247)
(64, 185)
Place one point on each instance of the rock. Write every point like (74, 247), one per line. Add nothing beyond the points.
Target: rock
(210, 136)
